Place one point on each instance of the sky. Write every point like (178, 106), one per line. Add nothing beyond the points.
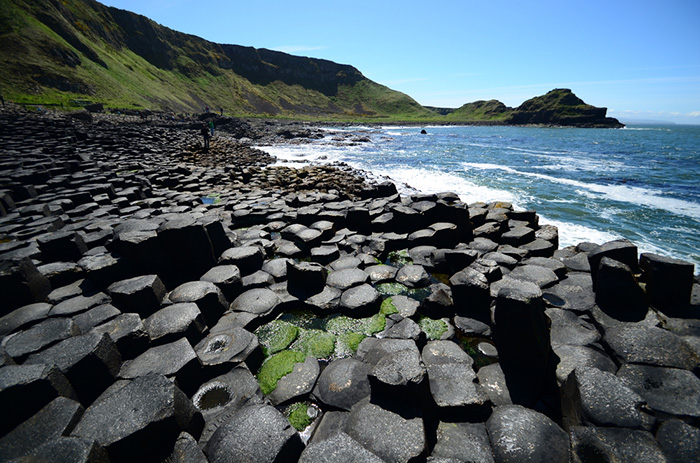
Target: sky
(640, 59)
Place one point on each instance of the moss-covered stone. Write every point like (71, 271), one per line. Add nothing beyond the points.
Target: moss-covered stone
(433, 329)
(317, 343)
(391, 289)
(298, 416)
(388, 307)
(277, 367)
(399, 258)
(276, 336)
(348, 343)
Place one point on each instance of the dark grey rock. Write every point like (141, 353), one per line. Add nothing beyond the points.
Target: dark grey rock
(459, 259)
(304, 279)
(62, 245)
(450, 374)
(667, 390)
(679, 441)
(143, 250)
(186, 451)
(257, 301)
(669, 282)
(614, 444)
(296, 384)
(592, 397)
(277, 268)
(23, 316)
(61, 273)
(472, 327)
(26, 389)
(128, 332)
(567, 328)
(396, 363)
(413, 276)
(142, 294)
(208, 297)
(617, 291)
(439, 302)
(105, 269)
(232, 389)
(78, 304)
(470, 290)
(140, 421)
(188, 248)
(360, 301)
(517, 236)
(493, 382)
(343, 383)
(325, 254)
(346, 278)
(40, 336)
(620, 250)
(570, 297)
(95, 316)
(462, 442)
(175, 321)
(404, 329)
(520, 434)
(259, 279)
(651, 346)
(57, 418)
(405, 305)
(385, 433)
(176, 360)
(571, 357)
(553, 264)
(229, 346)
(77, 288)
(339, 448)
(227, 278)
(240, 437)
(23, 284)
(248, 259)
(577, 263)
(91, 362)
(66, 450)
(542, 276)
(502, 260)
(326, 301)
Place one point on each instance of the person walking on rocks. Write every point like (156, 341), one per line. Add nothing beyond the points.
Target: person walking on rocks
(205, 134)
(211, 127)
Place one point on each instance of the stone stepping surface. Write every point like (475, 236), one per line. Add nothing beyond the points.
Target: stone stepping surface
(160, 303)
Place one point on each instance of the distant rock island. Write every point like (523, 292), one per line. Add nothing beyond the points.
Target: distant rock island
(78, 52)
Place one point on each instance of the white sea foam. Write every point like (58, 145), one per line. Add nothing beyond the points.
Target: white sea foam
(622, 193)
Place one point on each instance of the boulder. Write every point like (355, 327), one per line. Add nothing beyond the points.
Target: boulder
(343, 383)
(521, 434)
(651, 345)
(227, 278)
(142, 294)
(669, 282)
(614, 444)
(339, 448)
(360, 301)
(620, 250)
(305, 279)
(298, 383)
(206, 295)
(40, 336)
(617, 291)
(462, 442)
(679, 441)
(175, 321)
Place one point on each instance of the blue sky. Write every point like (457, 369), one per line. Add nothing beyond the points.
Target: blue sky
(640, 59)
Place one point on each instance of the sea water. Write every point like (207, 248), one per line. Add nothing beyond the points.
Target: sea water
(641, 182)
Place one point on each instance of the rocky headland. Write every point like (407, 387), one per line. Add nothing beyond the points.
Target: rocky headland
(163, 303)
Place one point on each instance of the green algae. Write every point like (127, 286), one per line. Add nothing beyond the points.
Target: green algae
(433, 329)
(298, 416)
(276, 336)
(277, 367)
(348, 343)
(391, 289)
(399, 258)
(388, 307)
(317, 343)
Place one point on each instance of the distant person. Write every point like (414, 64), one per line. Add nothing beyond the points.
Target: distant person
(205, 134)
(221, 110)
(211, 127)
(3, 101)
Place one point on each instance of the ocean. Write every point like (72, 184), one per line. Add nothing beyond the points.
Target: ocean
(641, 182)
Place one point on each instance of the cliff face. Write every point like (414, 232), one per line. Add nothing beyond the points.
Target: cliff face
(57, 50)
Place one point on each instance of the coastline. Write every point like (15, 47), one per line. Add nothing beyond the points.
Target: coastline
(127, 245)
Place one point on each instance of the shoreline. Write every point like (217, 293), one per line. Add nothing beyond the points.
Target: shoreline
(218, 295)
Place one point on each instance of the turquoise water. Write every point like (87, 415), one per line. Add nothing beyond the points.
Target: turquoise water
(641, 183)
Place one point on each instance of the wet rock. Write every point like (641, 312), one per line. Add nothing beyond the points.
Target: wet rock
(343, 383)
(521, 434)
(404, 329)
(567, 328)
(667, 390)
(91, 362)
(592, 397)
(571, 357)
(614, 444)
(142, 294)
(56, 419)
(206, 295)
(141, 421)
(338, 448)
(240, 437)
(413, 276)
(26, 389)
(386, 433)
(493, 382)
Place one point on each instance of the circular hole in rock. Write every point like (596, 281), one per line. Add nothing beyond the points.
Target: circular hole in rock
(212, 395)
(219, 344)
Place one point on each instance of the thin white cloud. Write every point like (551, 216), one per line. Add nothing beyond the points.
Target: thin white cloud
(299, 48)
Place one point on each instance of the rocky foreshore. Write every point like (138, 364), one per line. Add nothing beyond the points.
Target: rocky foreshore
(163, 303)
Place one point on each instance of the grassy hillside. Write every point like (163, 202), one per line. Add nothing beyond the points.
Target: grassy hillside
(491, 110)
(55, 52)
